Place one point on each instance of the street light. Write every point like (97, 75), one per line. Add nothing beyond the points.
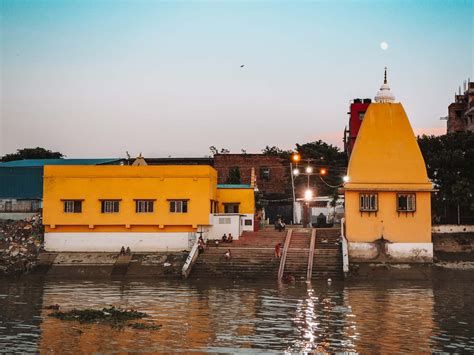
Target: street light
(296, 157)
(345, 178)
(323, 171)
(296, 172)
(309, 170)
(308, 195)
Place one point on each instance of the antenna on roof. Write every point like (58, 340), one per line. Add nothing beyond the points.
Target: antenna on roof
(459, 90)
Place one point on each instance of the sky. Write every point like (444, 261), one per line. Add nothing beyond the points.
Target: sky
(164, 78)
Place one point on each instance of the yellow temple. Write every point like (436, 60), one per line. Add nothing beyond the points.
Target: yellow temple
(388, 208)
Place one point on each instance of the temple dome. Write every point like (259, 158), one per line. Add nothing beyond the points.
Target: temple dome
(386, 155)
(384, 95)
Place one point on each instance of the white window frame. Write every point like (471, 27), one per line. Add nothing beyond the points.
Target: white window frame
(368, 202)
(70, 206)
(108, 206)
(144, 206)
(410, 202)
(225, 220)
(178, 206)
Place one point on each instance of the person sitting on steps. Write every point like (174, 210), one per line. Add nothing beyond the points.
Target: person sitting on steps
(224, 238)
(230, 238)
(280, 225)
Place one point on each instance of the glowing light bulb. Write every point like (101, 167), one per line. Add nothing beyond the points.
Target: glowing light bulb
(296, 172)
(308, 195)
(346, 178)
(309, 170)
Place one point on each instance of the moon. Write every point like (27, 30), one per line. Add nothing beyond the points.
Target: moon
(384, 45)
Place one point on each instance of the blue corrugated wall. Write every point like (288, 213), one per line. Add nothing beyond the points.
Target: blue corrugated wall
(19, 183)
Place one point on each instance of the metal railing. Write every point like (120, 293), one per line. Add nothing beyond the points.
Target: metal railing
(281, 269)
(190, 260)
(345, 248)
(309, 273)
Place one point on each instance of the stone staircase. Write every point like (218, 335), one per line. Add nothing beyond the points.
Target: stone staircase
(298, 253)
(252, 257)
(327, 262)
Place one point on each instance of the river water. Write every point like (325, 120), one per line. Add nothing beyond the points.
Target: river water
(243, 316)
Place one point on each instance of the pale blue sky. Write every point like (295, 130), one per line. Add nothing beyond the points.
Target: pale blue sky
(98, 78)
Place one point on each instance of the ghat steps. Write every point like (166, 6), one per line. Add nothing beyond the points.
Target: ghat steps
(252, 256)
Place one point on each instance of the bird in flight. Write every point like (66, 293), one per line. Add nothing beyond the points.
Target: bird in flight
(243, 65)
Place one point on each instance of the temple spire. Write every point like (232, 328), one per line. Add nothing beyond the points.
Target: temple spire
(384, 95)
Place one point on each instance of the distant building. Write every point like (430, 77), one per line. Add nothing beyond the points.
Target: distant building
(21, 184)
(387, 197)
(176, 161)
(147, 208)
(272, 177)
(461, 111)
(356, 113)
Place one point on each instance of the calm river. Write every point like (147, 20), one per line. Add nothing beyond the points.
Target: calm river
(243, 316)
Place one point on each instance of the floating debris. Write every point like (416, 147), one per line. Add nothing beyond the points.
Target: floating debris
(114, 316)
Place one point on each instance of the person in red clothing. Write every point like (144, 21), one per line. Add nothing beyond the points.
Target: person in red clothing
(278, 250)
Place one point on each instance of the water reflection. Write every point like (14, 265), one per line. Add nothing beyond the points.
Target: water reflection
(244, 316)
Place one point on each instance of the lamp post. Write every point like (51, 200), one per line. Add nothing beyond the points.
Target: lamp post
(295, 158)
(308, 195)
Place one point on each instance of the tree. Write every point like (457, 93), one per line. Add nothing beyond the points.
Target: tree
(275, 151)
(32, 153)
(325, 156)
(214, 150)
(449, 164)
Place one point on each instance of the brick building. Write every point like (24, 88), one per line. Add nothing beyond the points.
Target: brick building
(461, 111)
(273, 179)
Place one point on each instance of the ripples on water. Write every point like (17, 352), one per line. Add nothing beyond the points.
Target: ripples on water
(247, 316)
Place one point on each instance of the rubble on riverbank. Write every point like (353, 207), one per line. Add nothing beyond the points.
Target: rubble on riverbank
(20, 243)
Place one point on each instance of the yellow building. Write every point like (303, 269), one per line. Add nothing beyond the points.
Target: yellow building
(148, 208)
(387, 197)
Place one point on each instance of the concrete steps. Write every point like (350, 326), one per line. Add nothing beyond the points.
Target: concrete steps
(252, 256)
(327, 261)
(298, 253)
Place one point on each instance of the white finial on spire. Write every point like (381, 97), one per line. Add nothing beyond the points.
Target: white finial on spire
(385, 95)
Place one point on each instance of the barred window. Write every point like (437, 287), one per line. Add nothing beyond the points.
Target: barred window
(368, 202)
(406, 202)
(248, 222)
(178, 206)
(144, 206)
(110, 206)
(265, 173)
(224, 221)
(72, 206)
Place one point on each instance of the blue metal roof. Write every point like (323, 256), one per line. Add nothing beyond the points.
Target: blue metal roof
(21, 183)
(233, 186)
(43, 162)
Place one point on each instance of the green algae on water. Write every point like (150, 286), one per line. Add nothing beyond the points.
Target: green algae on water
(114, 316)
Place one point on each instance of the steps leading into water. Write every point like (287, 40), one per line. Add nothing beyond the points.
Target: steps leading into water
(297, 254)
(327, 262)
(252, 256)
